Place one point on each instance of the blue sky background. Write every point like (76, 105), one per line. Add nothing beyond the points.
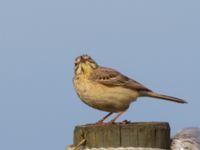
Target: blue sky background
(155, 42)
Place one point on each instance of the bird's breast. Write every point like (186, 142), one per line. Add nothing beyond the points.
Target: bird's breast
(106, 98)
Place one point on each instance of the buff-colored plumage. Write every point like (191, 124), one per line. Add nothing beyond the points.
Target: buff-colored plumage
(107, 89)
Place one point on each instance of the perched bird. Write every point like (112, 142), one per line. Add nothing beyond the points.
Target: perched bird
(107, 89)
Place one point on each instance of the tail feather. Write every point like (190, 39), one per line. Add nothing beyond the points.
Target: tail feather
(163, 97)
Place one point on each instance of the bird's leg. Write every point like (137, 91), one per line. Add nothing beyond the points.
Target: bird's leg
(106, 116)
(117, 116)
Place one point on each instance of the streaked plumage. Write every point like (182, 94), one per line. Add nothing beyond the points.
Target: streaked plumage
(107, 89)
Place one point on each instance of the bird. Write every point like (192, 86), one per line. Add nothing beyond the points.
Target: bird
(108, 90)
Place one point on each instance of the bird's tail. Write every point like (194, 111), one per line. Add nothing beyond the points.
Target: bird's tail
(163, 97)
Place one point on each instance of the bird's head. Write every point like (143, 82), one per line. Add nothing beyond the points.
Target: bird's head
(84, 64)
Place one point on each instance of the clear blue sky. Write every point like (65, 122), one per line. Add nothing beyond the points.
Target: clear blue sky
(154, 42)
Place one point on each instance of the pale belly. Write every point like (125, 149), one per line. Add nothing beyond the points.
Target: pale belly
(110, 99)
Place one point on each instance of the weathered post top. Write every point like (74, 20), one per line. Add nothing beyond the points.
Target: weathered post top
(144, 134)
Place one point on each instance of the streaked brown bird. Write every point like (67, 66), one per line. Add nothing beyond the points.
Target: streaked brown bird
(107, 89)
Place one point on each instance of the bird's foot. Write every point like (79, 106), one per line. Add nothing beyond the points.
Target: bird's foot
(100, 122)
(111, 122)
(125, 122)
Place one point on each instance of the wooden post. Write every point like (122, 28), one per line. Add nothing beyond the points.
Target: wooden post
(148, 135)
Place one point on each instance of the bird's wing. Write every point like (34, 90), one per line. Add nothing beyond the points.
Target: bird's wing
(111, 77)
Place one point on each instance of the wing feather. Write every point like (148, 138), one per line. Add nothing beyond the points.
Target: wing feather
(111, 77)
